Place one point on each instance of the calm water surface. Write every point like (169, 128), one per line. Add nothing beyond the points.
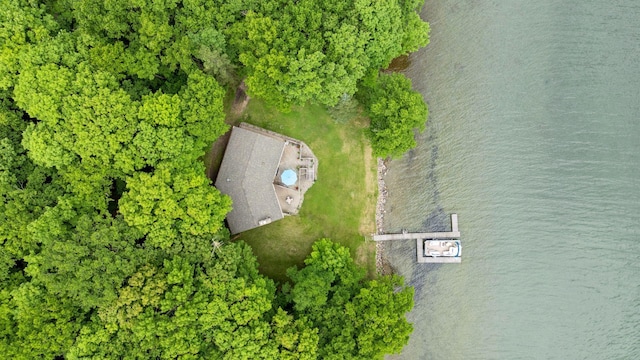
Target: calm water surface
(534, 140)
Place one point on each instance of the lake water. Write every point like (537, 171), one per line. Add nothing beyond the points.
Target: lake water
(534, 140)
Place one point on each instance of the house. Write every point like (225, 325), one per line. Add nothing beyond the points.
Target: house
(266, 175)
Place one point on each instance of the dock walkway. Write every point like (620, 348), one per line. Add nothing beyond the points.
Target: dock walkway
(421, 237)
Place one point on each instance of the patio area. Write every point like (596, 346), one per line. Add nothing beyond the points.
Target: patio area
(290, 200)
(296, 158)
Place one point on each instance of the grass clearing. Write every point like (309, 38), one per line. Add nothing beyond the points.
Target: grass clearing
(339, 206)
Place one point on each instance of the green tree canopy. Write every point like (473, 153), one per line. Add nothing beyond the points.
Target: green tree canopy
(215, 310)
(36, 323)
(148, 39)
(173, 205)
(112, 242)
(356, 319)
(396, 111)
(83, 256)
(317, 50)
(78, 106)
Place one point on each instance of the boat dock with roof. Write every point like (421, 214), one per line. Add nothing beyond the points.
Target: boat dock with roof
(433, 247)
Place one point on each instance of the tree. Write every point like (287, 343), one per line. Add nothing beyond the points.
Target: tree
(395, 111)
(22, 23)
(147, 39)
(295, 338)
(37, 323)
(83, 256)
(174, 205)
(76, 109)
(175, 127)
(112, 242)
(356, 319)
(26, 190)
(346, 109)
(9, 160)
(318, 50)
(218, 309)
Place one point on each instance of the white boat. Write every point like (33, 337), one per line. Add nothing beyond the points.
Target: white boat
(442, 248)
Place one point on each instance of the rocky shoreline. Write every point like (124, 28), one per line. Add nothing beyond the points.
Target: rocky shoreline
(382, 196)
(382, 265)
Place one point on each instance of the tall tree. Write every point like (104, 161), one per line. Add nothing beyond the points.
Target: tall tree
(112, 242)
(78, 108)
(355, 318)
(396, 111)
(22, 23)
(218, 309)
(26, 190)
(318, 50)
(83, 256)
(147, 39)
(38, 324)
(174, 205)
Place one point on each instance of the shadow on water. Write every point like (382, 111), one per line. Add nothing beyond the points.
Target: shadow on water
(421, 276)
(400, 63)
(417, 274)
(420, 279)
(436, 221)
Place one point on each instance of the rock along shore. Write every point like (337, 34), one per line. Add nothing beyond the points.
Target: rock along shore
(382, 265)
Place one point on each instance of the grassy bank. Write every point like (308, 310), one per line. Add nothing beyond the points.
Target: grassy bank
(340, 205)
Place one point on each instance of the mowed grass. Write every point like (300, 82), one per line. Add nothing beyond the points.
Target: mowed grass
(339, 206)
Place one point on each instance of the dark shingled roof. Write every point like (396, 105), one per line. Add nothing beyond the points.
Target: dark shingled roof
(247, 172)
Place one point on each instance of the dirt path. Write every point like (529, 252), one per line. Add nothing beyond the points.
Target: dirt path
(240, 101)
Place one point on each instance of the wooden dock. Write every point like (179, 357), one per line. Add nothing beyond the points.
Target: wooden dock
(421, 237)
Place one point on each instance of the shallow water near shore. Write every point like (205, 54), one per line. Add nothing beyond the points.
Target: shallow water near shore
(534, 140)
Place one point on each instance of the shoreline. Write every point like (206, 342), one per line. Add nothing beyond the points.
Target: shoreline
(382, 195)
(383, 267)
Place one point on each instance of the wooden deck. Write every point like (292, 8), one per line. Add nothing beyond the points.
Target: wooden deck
(421, 237)
(411, 236)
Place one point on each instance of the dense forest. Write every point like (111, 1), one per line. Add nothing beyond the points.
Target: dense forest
(112, 241)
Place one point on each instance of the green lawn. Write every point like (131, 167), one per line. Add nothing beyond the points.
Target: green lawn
(339, 206)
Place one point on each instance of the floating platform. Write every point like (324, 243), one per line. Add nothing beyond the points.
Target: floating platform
(438, 251)
(433, 247)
